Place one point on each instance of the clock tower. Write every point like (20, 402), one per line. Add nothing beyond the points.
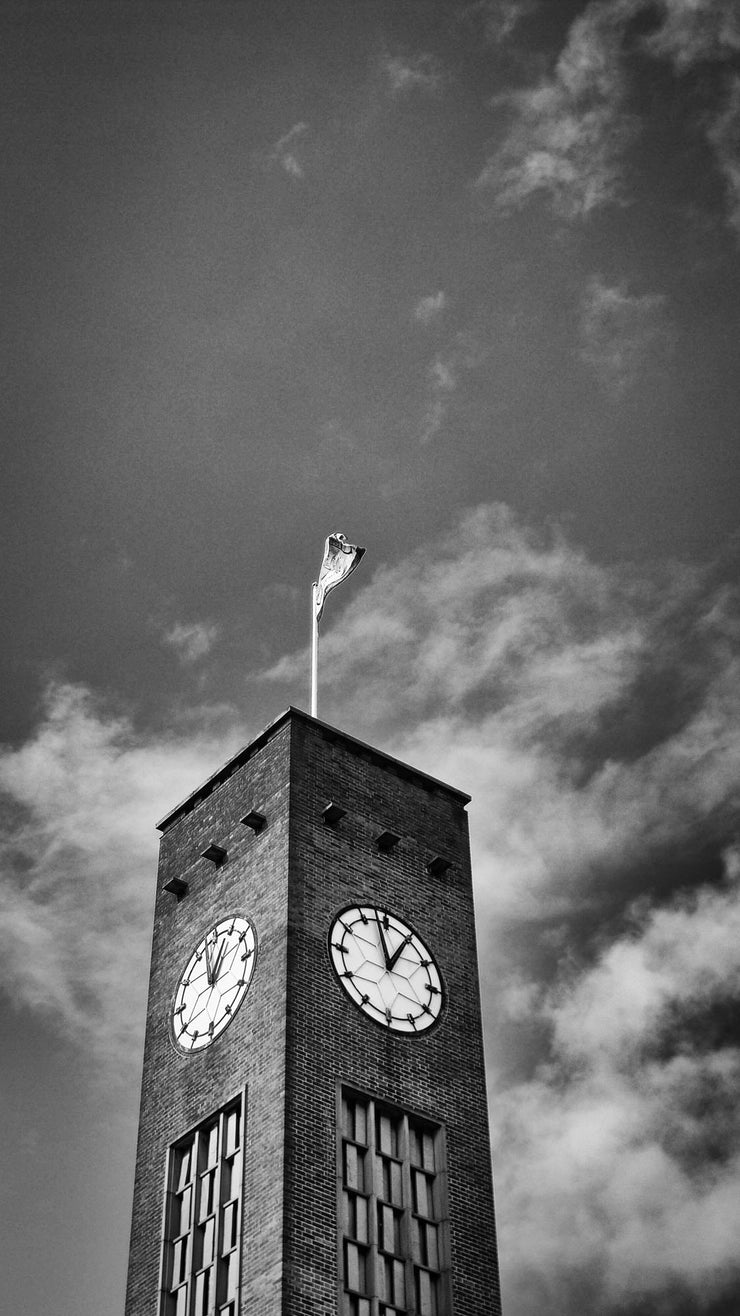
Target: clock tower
(313, 1135)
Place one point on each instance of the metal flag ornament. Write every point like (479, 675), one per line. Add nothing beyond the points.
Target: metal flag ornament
(340, 558)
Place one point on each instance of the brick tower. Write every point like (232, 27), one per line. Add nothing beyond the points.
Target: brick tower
(313, 1135)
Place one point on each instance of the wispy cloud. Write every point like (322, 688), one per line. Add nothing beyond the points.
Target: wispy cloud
(622, 334)
(498, 17)
(594, 711)
(414, 73)
(724, 135)
(621, 1174)
(430, 308)
(694, 31)
(444, 375)
(285, 150)
(78, 857)
(191, 640)
(569, 132)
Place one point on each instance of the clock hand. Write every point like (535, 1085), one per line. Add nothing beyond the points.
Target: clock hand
(219, 957)
(209, 965)
(383, 943)
(389, 964)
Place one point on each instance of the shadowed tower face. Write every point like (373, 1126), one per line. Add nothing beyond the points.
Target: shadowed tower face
(313, 1134)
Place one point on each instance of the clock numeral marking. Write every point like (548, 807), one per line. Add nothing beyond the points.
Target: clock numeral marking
(364, 918)
(348, 973)
(227, 1009)
(389, 1016)
(343, 950)
(412, 1019)
(365, 998)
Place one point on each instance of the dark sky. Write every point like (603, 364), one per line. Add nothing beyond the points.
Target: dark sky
(458, 278)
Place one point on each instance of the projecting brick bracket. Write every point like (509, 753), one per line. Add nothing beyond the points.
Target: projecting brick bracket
(332, 814)
(255, 820)
(176, 887)
(215, 853)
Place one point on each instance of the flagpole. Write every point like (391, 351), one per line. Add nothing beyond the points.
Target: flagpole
(314, 653)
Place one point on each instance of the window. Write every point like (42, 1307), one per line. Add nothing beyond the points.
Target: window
(203, 1218)
(393, 1212)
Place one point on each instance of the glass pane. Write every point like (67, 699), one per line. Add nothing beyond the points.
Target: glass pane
(207, 1193)
(355, 1268)
(206, 1241)
(391, 1181)
(423, 1196)
(354, 1167)
(359, 1306)
(181, 1301)
(389, 1229)
(392, 1275)
(209, 1146)
(228, 1277)
(355, 1120)
(387, 1135)
(421, 1145)
(183, 1162)
(231, 1177)
(230, 1227)
(183, 1203)
(179, 1262)
(231, 1139)
(357, 1217)
(426, 1293)
(202, 1292)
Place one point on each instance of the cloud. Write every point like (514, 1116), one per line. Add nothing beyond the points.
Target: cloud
(596, 709)
(621, 333)
(594, 712)
(620, 1162)
(78, 854)
(284, 151)
(724, 136)
(499, 17)
(444, 374)
(694, 31)
(430, 308)
(569, 132)
(417, 73)
(191, 640)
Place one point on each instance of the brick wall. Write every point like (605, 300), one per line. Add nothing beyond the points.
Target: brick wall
(297, 1036)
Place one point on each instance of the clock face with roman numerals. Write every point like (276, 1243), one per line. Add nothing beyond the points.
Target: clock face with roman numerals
(213, 983)
(386, 969)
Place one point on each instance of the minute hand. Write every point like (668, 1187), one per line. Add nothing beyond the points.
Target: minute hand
(397, 953)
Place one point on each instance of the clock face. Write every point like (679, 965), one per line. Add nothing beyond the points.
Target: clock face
(386, 969)
(214, 983)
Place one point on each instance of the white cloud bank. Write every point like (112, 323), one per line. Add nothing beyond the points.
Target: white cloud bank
(78, 854)
(594, 713)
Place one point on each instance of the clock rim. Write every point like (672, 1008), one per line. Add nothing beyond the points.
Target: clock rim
(213, 923)
(387, 1028)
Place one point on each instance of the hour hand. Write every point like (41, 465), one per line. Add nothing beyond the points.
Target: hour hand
(398, 952)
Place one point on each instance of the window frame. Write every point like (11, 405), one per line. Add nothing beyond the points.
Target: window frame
(409, 1223)
(195, 1143)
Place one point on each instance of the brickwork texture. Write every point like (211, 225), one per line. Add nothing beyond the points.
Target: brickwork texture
(297, 1036)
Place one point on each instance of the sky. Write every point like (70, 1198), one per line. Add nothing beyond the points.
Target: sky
(458, 278)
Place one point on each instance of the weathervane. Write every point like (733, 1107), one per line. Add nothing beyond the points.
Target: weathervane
(340, 558)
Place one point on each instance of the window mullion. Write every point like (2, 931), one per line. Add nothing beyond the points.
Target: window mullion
(406, 1221)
